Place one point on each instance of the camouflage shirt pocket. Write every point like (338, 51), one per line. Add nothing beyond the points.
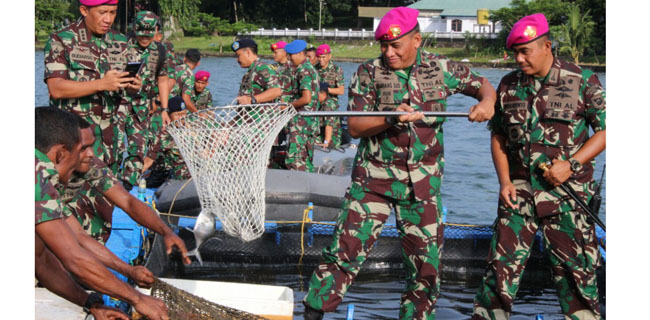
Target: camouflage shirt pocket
(82, 65)
(514, 121)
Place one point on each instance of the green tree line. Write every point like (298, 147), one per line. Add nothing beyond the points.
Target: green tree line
(578, 26)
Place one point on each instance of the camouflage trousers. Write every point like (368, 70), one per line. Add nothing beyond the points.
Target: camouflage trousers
(337, 131)
(154, 135)
(94, 214)
(574, 256)
(132, 142)
(361, 220)
(300, 153)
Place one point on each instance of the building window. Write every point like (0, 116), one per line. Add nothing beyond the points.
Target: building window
(456, 25)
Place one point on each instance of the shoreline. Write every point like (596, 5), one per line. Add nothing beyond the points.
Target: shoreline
(499, 65)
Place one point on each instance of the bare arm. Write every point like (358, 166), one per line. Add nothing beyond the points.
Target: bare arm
(61, 241)
(142, 214)
(561, 169)
(163, 95)
(189, 105)
(507, 191)
(304, 100)
(141, 275)
(484, 110)
(336, 91)
(268, 95)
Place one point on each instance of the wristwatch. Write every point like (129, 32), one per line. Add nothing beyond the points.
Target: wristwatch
(575, 165)
(93, 298)
(391, 120)
(165, 110)
(253, 100)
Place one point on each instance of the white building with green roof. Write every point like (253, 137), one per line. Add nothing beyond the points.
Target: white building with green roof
(450, 18)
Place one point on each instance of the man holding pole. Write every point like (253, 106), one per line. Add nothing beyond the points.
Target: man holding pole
(543, 114)
(398, 166)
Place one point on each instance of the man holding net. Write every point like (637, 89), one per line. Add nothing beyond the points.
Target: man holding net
(398, 166)
(260, 82)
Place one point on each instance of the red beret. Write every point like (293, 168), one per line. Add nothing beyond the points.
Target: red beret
(396, 23)
(202, 75)
(93, 3)
(527, 29)
(323, 49)
(278, 45)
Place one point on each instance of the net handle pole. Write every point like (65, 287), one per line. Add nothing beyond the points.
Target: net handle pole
(377, 114)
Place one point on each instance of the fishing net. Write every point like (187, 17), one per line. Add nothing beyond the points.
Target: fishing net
(183, 305)
(227, 151)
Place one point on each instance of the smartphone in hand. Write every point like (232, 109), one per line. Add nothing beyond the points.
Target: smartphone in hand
(133, 68)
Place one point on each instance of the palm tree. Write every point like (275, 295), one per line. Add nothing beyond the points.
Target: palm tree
(575, 34)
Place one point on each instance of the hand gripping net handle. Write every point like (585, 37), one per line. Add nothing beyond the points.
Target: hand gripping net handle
(226, 150)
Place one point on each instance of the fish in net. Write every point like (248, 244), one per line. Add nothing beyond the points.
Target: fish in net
(183, 305)
(227, 151)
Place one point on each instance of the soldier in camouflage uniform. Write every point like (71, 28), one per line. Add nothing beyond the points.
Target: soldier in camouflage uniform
(171, 59)
(333, 75)
(84, 64)
(57, 153)
(138, 128)
(184, 78)
(201, 95)
(285, 71)
(303, 131)
(170, 156)
(260, 82)
(543, 113)
(398, 166)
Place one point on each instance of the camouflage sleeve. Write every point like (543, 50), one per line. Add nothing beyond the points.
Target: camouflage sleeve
(340, 80)
(188, 83)
(100, 176)
(305, 79)
(495, 124)
(594, 98)
(361, 92)
(56, 64)
(47, 204)
(269, 78)
(461, 79)
(209, 98)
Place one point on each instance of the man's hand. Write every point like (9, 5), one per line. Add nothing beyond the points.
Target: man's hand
(165, 118)
(114, 80)
(244, 100)
(508, 195)
(142, 276)
(135, 85)
(101, 312)
(412, 116)
(559, 172)
(151, 308)
(482, 111)
(172, 240)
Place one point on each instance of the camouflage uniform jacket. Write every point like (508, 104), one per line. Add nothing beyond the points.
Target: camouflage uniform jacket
(73, 53)
(306, 78)
(333, 75)
(184, 81)
(545, 119)
(48, 189)
(173, 160)
(170, 56)
(259, 78)
(285, 74)
(83, 190)
(149, 57)
(406, 155)
(202, 100)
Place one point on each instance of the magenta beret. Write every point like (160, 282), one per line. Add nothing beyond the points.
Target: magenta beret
(527, 29)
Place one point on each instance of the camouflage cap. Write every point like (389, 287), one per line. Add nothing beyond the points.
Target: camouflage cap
(145, 23)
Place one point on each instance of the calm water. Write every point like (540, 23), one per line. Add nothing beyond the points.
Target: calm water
(470, 192)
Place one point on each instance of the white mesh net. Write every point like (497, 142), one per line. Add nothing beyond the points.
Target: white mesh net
(227, 150)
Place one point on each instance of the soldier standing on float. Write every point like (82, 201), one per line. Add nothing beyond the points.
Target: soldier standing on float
(398, 166)
(184, 78)
(134, 113)
(333, 75)
(84, 72)
(260, 83)
(543, 113)
(284, 70)
(201, 95)
(303, 131)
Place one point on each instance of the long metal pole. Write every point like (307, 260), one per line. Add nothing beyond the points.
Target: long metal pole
(377, 114)
(572, 194)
